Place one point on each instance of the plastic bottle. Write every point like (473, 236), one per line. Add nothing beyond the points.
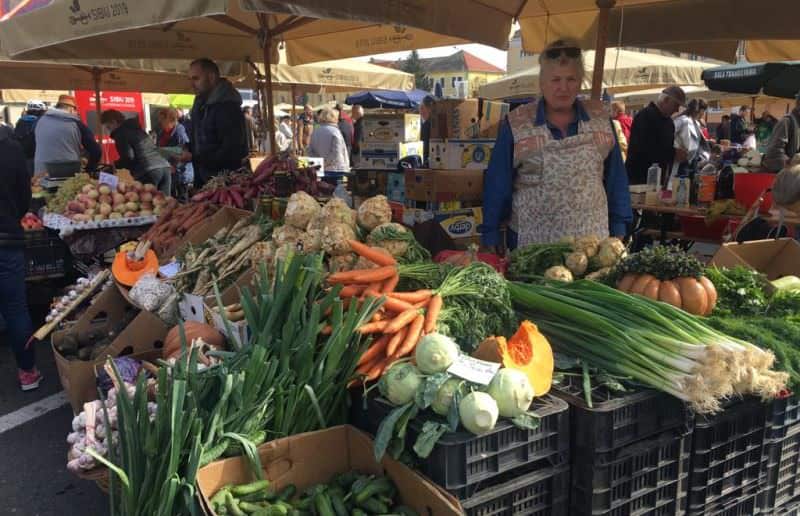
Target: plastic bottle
(653, 184)
(342, 193)
(682, 195)
(707, 185)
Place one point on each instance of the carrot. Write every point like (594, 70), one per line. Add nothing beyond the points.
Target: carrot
(421, 304)
(390, 284)
(373, 327)
(326, 330)
(377, 316)
(375, 350)
(401, 321)
(413, 297)
(395, 305)
(434, 307)
(410, 342)
(371, 254)
(363, 275)
(366, 366)
(351, 291)
(377, 370)
(375, 286)
(395, 341)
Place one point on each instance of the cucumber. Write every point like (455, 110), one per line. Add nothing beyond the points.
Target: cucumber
(322, 504)
(252, 487)
(287, 493)
(374, 506)
(376, 487)
(405, 510)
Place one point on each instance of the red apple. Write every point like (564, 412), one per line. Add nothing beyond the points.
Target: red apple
(118, 198)
(122, 187)
(149, 188)
(132, 196)
(105, 199)
(146, 196)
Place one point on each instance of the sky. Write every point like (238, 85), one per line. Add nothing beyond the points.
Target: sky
(487, 53)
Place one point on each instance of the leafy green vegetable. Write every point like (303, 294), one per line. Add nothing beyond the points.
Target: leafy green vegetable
(740, 291)
(386, 430)
(530, 262)
(427, 391)
(663, 262)
(431, 432)
(415, 253)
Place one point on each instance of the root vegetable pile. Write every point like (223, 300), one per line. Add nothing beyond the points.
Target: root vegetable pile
(98, 201)
(173, 223)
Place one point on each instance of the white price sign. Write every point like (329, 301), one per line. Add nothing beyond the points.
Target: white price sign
(473, 370)
(108, 179)
(170, 270)
(192, 308)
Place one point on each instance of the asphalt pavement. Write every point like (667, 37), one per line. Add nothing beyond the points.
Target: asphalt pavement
(34, 480)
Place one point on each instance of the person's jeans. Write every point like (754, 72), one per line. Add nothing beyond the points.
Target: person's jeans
(14, 305)
(161, 178)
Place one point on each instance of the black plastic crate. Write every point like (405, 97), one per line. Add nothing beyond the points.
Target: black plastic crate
(783, 413)
(462, 463)
(538, 492)
(617, 419)
(727, 453)
(647, 477)
(46, 255)
(782, 466)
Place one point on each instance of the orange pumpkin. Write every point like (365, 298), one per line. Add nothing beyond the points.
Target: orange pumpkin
(528, 351)
(193, 330)
(696, 296)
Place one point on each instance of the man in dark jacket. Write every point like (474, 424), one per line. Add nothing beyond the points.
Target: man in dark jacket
(653, 137)
(25, 130)
(219, 140)
(15, 198)
(137, 151)
(425, 112)
(739, 123)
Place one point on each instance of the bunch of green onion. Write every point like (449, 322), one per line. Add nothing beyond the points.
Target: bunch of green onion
(652, 342)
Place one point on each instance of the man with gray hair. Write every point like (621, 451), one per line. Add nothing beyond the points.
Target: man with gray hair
(784, 144)
(556, 169)
(653, 136)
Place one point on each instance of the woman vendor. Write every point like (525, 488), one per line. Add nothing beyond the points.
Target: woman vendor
(556, 170)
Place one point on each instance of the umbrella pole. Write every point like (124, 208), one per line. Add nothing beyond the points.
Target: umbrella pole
(295, 146)
(600, 46)
(96, 74)
(268, 87)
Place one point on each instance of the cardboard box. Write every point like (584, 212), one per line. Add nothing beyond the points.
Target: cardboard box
(224, 217)
(386, 156)
(457, 224)
(774, 258)
(368, 183)
(455, 118)
(392, 128)
(145, 333)
(458, 154)
(493, 114)
(444, 185)
(315, 457)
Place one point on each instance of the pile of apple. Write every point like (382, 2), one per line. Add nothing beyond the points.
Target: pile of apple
(101, 202)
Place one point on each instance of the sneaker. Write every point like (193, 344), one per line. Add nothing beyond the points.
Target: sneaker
(29, 380)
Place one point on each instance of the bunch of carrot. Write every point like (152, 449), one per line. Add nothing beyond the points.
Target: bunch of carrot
(403, 319)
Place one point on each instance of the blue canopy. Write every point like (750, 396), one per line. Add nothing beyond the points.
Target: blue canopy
(388, 99)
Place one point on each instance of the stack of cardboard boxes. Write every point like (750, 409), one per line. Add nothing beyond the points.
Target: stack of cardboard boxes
(463, 133)
(388, 138)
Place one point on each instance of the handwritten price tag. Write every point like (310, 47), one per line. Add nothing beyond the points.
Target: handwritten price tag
(109, 179)
(473, 370)
(170, 270)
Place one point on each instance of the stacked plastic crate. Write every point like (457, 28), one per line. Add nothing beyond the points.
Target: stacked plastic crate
(509, 470)
(780, 493)
(630, 451)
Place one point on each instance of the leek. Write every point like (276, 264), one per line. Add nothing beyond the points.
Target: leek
(652, 342)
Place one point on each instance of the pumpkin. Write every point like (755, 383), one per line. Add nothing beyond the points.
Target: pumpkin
(193, 330)
(696, 296)
(527, 351)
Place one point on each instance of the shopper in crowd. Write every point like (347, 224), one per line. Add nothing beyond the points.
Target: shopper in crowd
(358, 129)
(784, 143)
(305, 127)
(750, 142)
(689, 137)
(327, 143)
(764, 127)
(346, 127)
(15, 197)
(218, 137)
(724, 128)
(653, 136)
(425, 112)
(61, 137)
(625, 120)
(739, 123)
(552, 156)
(251, 129)
(171, 133)
(137, 152)
(285, 128)
(25, 130)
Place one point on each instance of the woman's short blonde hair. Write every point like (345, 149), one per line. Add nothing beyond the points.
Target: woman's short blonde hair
(563, 58)
(328, 116)
(168, 114)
